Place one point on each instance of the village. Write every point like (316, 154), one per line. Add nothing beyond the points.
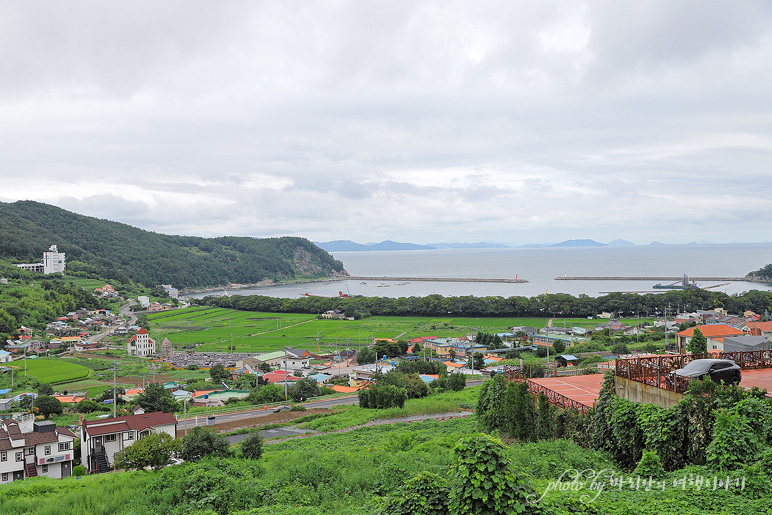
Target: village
(32, 447)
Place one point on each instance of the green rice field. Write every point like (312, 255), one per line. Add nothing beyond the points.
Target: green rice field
(216, 329)
(52, 370)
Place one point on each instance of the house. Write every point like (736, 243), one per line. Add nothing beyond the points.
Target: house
(5, 357)
(566, 359)
(102, 439)
(141, 344)
(714, 333)
(757, 328)
(274, 359)
(29, 449)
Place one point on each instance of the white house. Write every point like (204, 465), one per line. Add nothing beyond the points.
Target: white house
(144, 301)
(5, 356)
(141, 344)
(29, 449)
(102, 439)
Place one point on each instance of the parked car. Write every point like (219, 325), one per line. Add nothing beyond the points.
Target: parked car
(718, 370)
(281, 408)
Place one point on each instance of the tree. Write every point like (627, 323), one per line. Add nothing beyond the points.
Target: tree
(559, 347)
(366, 355)
(202, 442)
(252, 446)
(107, 395)
(479, 361)
(452, 354)
(154, 451)
(45, 389)
(304, 389)
(218, 373)
(698, 344)
(47, 405)
(456, 382)
(265, 394)
(156, 398)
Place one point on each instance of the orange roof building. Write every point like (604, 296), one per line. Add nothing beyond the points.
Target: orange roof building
(714, 333)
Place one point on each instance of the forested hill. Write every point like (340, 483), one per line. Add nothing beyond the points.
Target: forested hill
(123, 252)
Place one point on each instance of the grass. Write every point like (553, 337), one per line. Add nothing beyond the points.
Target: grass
(52, 370)
(214, 329)
(349, 416)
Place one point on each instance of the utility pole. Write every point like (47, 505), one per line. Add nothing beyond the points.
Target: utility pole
(115, 368)
(285, 372)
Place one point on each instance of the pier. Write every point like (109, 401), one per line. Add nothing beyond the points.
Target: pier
(436, 279)
(648, 278)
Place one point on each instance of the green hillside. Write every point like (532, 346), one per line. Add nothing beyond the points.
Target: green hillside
(122, 252)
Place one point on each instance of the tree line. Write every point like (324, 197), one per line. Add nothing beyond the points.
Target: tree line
(545, 305)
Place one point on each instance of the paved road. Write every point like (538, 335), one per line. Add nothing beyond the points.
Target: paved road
(325, 403)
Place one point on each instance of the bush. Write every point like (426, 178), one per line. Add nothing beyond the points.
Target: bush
(252, 446)
(153, 451)
(202, 442)
(649, 466)
(425, 494)
(78, 471)
(484, 479)
(382, 397)
(456, 382)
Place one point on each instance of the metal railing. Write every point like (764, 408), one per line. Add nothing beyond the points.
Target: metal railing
(517, 374)
(656, 370)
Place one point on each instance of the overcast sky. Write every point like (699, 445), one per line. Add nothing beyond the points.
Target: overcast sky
(511, 122)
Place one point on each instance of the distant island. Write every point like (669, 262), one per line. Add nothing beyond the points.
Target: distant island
(351, 246)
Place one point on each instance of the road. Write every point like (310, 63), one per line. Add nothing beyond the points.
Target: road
(242, 415)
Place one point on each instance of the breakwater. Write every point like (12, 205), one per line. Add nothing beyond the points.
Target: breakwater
(647, 278)
(436, 279)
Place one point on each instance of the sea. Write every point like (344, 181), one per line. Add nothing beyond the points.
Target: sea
(539, 266)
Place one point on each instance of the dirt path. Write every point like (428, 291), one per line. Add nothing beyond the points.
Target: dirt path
(283, 327)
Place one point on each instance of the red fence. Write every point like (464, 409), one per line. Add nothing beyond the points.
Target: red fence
(654, 370)
(518, 374)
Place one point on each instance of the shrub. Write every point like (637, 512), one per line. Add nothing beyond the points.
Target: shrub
(425, 494)
(252, 446)
(649, 466)
(456, 382)
(202, 442)
(78, 471)
(382, 397)
(485, 481)
(151, 451)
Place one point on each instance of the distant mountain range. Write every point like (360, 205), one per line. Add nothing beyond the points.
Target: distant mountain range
(350, 246)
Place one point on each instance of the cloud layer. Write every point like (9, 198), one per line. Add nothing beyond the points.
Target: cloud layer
(411, 121)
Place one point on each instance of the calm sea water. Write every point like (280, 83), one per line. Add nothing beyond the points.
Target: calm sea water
(538, 266)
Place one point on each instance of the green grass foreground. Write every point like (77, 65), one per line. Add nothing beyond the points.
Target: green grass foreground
(354, 472)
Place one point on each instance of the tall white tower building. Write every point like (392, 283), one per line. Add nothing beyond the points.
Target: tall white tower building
(53, 261)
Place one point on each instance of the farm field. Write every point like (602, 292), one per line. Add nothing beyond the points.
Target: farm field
(51, 370)
(211, 329)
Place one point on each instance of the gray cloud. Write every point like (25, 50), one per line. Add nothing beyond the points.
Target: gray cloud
(410, 121)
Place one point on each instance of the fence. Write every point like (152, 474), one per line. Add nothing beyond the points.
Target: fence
(518, 374)
(656, 370)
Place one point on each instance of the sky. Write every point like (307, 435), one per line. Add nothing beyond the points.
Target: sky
(416, 121)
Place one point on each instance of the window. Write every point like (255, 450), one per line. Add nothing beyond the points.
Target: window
(129, 435)
(64, 446)
(30, 451)
(19, 456)
(45, 469)
(3, 456)
(48, 450)
(5, 476)
(110, 438)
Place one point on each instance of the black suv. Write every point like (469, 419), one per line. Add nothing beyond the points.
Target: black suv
(718, 370)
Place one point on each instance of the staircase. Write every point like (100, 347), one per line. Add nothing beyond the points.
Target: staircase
(31, 470)
(101, 463)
